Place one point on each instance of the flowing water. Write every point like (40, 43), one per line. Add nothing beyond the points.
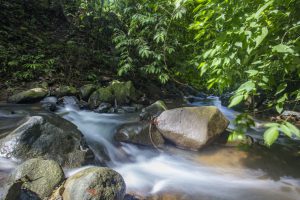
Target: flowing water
(217, 172)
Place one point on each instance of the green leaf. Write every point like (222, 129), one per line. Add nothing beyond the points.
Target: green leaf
(260, 38)
(258, 13)
(293, 129)
(252, 72)
(270, 135)
(271, 125)
(248, 86)
(281, 88)
(236, 100)
(286, 130)
(279, 107)
(281, 48)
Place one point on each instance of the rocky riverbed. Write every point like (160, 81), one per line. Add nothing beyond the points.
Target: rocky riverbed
(87, 146)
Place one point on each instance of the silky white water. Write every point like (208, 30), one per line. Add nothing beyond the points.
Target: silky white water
(217, 173)
(148, 171)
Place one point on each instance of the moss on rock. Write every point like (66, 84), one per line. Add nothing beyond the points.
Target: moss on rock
(28, 96)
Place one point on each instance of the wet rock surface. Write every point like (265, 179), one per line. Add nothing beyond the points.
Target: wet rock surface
(153, 110)
(141, 133)
(95, 183)
(35, 178)
(50, 137)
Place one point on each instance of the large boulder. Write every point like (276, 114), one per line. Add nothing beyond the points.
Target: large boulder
(38, 176)
(140, 133)
(65, 91)
(86, 91)
(192, 127)
(28, 96)
(50, 137)
(95, 183)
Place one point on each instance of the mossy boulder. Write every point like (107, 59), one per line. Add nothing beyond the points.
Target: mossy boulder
(28, 96)
(95, 183)
(192, 127)
(65, 91)
(86, 91)
(38, 176)
(123, 92)
(101, 95)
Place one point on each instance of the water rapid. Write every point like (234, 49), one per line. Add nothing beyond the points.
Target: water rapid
(148, 171)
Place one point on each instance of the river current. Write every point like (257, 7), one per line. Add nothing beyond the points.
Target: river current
(216, 172)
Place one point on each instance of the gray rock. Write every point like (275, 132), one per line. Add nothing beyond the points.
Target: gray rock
(95, 183)
(129, 109)
(192, 127)
(140, 133)
(153, 110)
(50, 137)
(29, 96)
(289, 113)
(71, 101)
(86, 91)
(103, 108)
(49, 104)
(38, 176)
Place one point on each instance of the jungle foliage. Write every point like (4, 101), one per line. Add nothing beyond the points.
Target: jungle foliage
(249, 47)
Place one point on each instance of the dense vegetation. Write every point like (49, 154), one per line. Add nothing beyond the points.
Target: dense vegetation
(249, 47)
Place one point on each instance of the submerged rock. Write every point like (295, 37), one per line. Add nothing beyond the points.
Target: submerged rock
(71, 101)
(65, 91)
(86, 91)
(192, 127)
(140, 133)
(153, 110)
(49, 104)
(103, 108)
(50, 137)
(15, 191)
(38, 176)
(28, 96)
(95, 183)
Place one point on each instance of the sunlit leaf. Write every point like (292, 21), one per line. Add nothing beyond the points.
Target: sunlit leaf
(281, 48)
(271, 135)
(279, 107)
(286, 130)
(293, 128)
(281, 88)
(236, 100)
(260, 38)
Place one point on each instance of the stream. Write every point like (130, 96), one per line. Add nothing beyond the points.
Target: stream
(216, 172)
